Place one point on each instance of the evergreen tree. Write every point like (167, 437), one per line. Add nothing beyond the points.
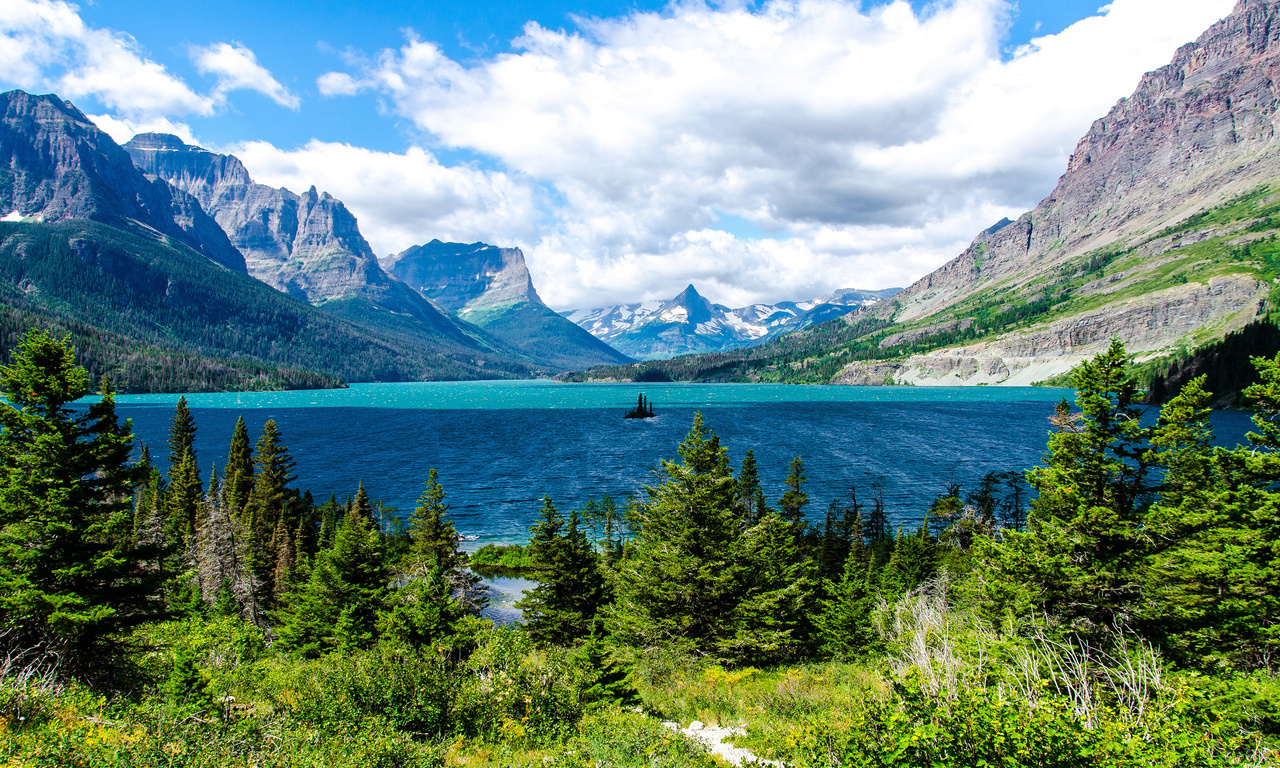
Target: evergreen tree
(70, 581)
(183, 500)
(268, 507)
(337, 607)
(751, 501)
(239, 470)
(775, 594)
(433, 544)
(913, 562)
(844, 620)
(433, 539)
(679, 584)
(561, 609)
(182, 434)
(1077, 560)
(794, 500)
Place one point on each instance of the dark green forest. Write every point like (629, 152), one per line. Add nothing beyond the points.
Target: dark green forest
(1115, 605)
(156, 316)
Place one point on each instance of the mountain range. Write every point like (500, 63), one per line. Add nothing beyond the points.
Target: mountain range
(490, 287)
(171, 261)
(689, 323)
(1161, 233)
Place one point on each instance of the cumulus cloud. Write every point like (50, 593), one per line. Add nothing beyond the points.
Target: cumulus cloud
(403, 199)
(45, 45)
(236, 67)
(877, 141)
(121, 129)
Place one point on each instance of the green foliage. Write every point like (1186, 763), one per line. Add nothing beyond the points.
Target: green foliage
(561, 608)
(337, 607)
(70, 584)
(495, 557)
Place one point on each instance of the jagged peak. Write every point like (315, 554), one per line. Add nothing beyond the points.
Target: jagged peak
(161, 142)
(28, 100)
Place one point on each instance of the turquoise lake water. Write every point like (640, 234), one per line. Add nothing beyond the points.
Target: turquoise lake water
(500, 446)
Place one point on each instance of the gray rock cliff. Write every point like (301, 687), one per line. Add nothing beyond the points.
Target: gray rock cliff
(491, 288)
(1194, 134)
(306, 245)
(55, 165)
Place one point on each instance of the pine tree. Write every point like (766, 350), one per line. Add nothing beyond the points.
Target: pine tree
(562, 607)
(776, 592)
(679, 584)
(239, 470)
(182, 434)
(751, 502)
(183, 501)
(794, 500)
(431, 534)
(433, 543)
(1076, 561)
(268, 507)
(70, 580)
(844, 620)
(338, 606)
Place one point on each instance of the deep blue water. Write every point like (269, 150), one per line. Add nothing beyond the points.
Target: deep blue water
(500, 446)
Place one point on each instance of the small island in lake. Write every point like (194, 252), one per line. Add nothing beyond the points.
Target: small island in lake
(643, 409)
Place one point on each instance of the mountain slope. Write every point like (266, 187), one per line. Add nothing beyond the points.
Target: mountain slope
(1160, 233)
(55, 165)
(129, 264)
(689, 323)
(307, 245)
(491, 288)
(115, 287)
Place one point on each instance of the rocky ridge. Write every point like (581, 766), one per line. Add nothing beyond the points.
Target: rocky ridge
(491, 287)
(307, 245)
(689, 323)
(56, 165)
(1196, 134)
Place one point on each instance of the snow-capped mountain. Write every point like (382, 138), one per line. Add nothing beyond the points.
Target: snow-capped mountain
(690, 323)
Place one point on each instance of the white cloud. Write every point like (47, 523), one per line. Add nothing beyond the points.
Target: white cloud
(880, 140)
(121, 129)
(403, 199)
(236, 67)
(45, 45)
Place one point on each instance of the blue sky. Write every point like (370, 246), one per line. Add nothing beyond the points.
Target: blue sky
(763, 151)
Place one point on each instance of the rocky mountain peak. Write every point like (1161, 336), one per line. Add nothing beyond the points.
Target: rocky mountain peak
(465, 277)
(688, 307)
(56, 165)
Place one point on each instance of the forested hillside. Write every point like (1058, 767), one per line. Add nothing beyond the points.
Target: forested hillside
(156, 317)
(1115, 605)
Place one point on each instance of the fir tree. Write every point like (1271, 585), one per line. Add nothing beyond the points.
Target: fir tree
(432, 536)
(751, 501)
(775, 594)
(70, 581)
(561, 608)
(844, 620)
(794, 500)
(239, 470)
(338, 605)
(182, 433)
(268, 507)
(679, 584)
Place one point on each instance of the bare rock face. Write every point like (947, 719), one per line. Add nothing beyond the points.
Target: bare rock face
(1195, 133)
(306, 245)
(465, 278)
(56, 165)
(491, 287)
